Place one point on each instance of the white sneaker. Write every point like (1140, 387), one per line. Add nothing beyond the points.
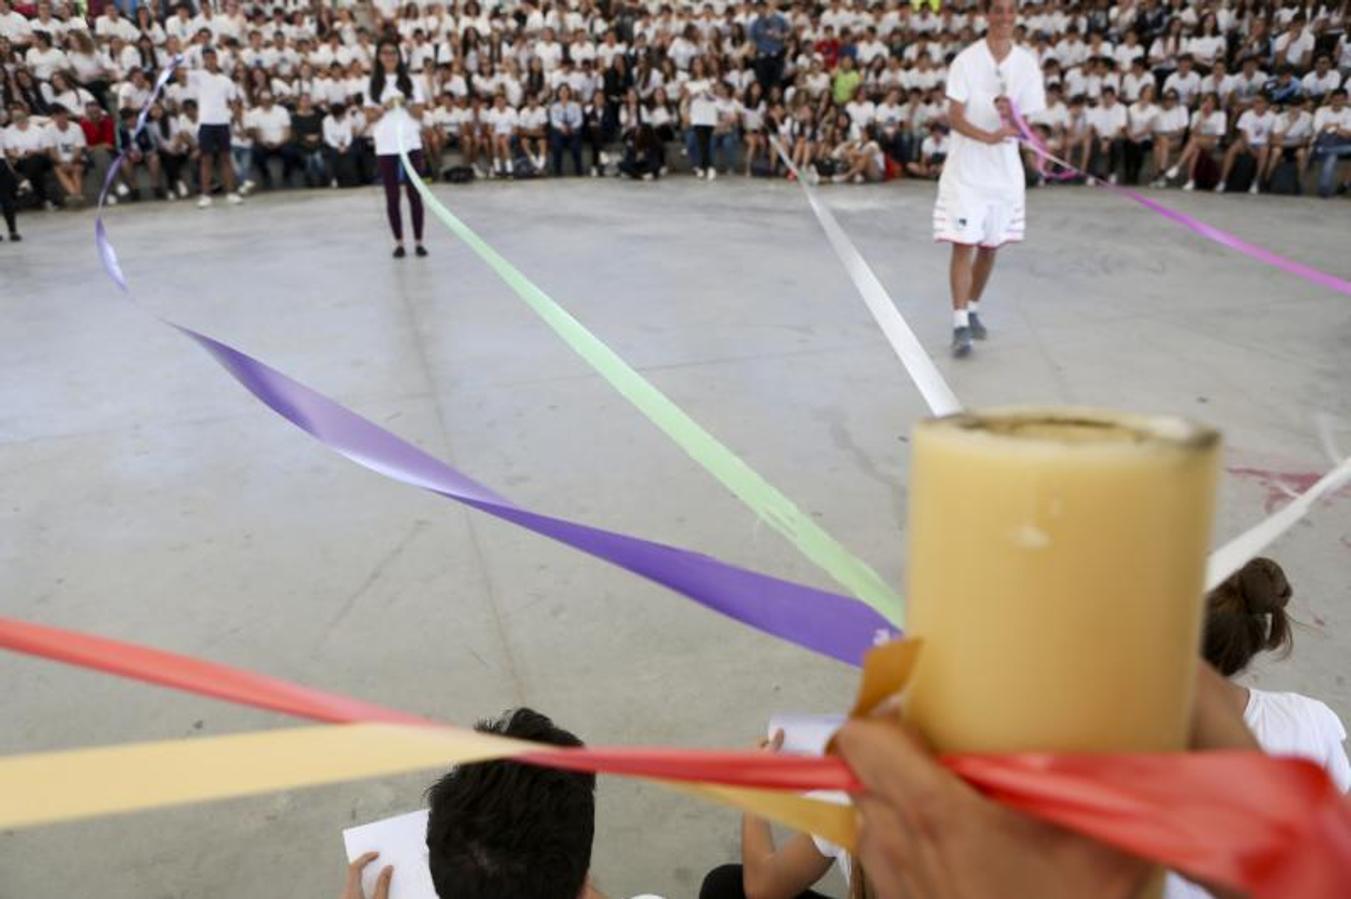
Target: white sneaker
(1111, 179)
(1219, 188)
(663, 171)
(1159, 182)
(333, 183)
(648, 176)
(122, 189)
(234, 199)
(1254, 189)
(111, 200)
(839, 179)
(203, 202)
(182, 190)
(712, 174)
(813, 176)
(698, 173)
(247, 187)
(1190, 185)
(1171, 173)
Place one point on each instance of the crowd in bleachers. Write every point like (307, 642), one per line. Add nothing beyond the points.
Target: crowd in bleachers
(1179, 92)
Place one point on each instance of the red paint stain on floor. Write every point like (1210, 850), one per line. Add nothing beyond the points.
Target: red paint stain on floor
(1280, 484)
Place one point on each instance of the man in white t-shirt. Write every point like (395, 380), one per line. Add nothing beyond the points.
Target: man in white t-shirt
(269, 125)
(1321, 81)
(1185, 81)
(14, 26)
(1294, 46)
(1253, 136)
(67, 143)
(1108, 121)
(27, 147)
(1332, 139)
(981, 192)
(216, 95)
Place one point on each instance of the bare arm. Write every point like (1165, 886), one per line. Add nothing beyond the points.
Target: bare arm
(771, 873)
(957, 119)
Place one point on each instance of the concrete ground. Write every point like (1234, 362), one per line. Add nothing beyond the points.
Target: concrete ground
(146, 496)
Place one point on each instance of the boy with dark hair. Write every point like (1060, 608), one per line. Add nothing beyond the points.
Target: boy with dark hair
(506, 829)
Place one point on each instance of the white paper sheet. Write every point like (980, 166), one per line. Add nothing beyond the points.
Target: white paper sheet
(805, 734)
(401, 842)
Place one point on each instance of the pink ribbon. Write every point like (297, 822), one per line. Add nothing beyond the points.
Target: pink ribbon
(1191, 223)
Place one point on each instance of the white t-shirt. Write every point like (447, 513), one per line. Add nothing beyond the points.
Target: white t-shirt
(1108, 122)
(976, 80)
(502, 121)
(1315, 85)
(1296, 127)
(1213, 125)
(1325, 118)
(271, 124)
(827, 848)
(702, 109)
(28, 140)
(397, 121)
(1187, 86)
(1168, 121)
(66, 142)
(1257, 128)
(215, 93)
(1286, 724)
(534, 118)
(1141, 117)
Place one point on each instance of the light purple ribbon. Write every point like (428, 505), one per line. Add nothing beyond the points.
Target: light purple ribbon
(1205, 229)
(828, 623)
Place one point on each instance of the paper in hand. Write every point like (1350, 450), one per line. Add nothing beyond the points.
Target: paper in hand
(805, 734)
(401, 842)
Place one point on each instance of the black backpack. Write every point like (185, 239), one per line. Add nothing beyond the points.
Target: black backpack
(459, 174)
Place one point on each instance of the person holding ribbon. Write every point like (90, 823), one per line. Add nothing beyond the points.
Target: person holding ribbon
(981, 192)
(394, 102)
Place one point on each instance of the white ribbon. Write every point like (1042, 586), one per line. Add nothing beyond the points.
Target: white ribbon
(918, 365)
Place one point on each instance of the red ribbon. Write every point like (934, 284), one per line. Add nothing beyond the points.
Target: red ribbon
(1276, 827)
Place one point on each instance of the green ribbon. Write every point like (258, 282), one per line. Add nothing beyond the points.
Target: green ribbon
(777, 510)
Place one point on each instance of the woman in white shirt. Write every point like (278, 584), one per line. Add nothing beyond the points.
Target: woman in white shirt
(1245, 616)
(753, 126)
(394, 102)
(703, 117)
(1140, 118)
(1208, 125)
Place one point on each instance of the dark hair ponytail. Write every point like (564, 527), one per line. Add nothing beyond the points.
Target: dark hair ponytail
(1246, 615)
(401, 77)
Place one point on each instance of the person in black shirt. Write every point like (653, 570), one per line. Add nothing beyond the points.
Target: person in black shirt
(307, 139)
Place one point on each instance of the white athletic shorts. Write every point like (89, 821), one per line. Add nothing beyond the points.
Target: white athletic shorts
(976, 218)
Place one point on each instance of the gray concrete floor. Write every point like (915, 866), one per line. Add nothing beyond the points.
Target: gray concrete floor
(145, 496)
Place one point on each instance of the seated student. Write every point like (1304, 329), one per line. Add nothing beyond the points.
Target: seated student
(787, 871)
(1170, 127)
(27, 148)
(504, 829)
(933, 150)
(533, 132)
(68, 157)
(340, 146)
(1208, 125)
(1291, 137)
(1078, 134)
(862, 160)
(1332, 139)
(1049, 124)
(1141, 116)
(502, 121)
(644, 157)
(137, 153)
(1108, 121)
(1245, 616)
(1253, 135)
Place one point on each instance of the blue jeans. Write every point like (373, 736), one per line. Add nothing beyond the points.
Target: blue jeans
(242, 157)
(1327, 172)
(728, 145)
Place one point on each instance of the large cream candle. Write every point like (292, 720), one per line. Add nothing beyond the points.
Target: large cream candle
(1056, 564)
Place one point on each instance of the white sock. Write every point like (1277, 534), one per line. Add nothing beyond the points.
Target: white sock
(973, 307)
(959, 319)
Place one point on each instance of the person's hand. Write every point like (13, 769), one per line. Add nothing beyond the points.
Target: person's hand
(353, 889)
(926, 834)
(772, 743)
(1004, 133)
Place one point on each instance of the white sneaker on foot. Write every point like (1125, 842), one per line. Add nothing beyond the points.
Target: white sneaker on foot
(111, 200)
(203, 202)
(1254, 190)
(122, 189)
(1171, 173)
(234, 199)
(1111, 179)
(712, 174)
(1190, 185)
(698, 173)
(1219, 188)
(247, 187)
(182, 190)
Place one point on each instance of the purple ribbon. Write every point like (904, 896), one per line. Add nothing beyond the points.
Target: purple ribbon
(1196, 225)
(828, 623)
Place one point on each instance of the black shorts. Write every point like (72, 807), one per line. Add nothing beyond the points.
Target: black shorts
(213, 139)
